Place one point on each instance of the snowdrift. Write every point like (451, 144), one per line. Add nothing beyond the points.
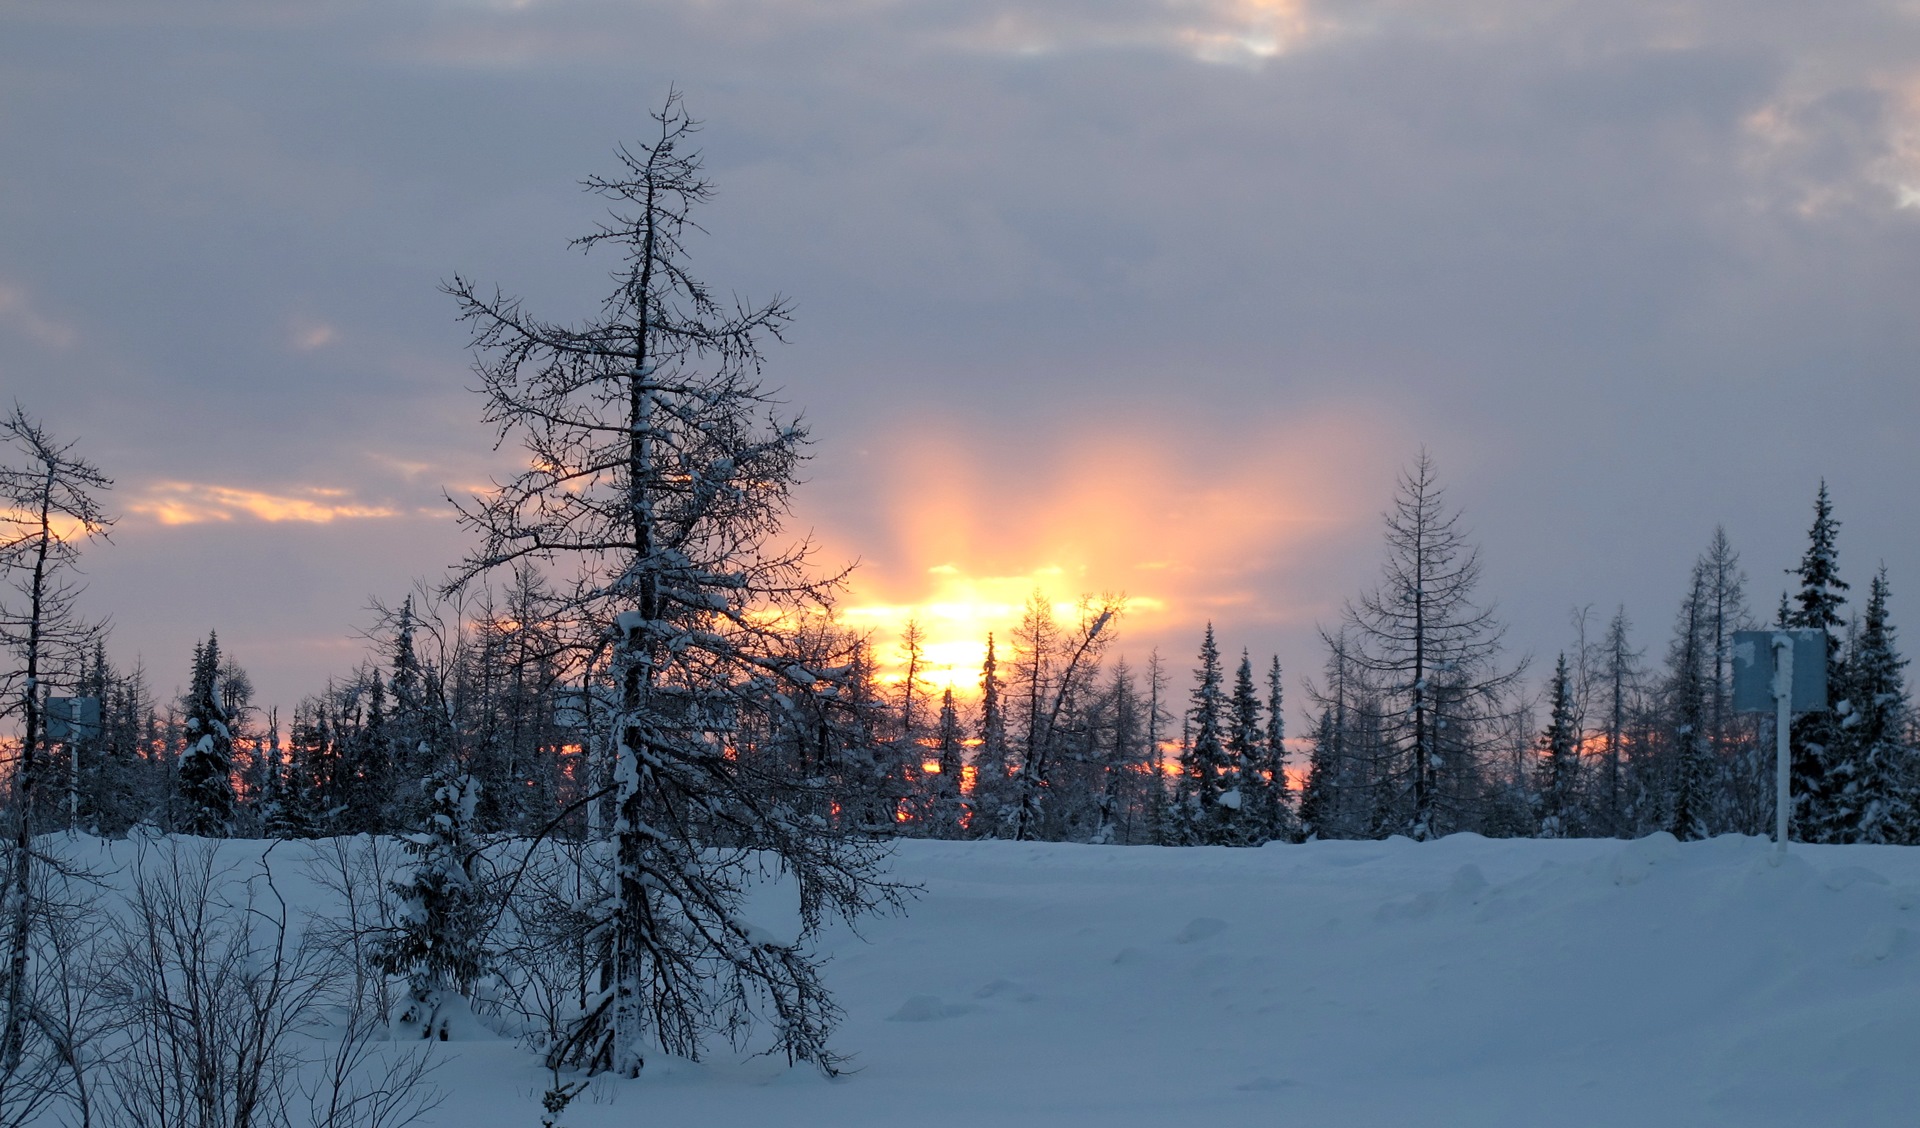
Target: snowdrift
(1468, 982)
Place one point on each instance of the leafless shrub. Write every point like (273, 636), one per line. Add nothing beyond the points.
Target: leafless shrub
(65, 1019)
(359, 873)
(222, 999)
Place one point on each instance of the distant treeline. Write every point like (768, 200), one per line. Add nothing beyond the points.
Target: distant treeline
(1413, 726)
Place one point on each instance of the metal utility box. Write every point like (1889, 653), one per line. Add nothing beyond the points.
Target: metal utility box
(72, 718)
(1753, 670)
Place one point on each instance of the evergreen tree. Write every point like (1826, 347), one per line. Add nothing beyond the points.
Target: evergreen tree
(302, 809)
(1274, 813)
(407, 726)
(1819, 780)
(1244, 755)
(1208, 796)
(1560, 760)
(1687, 711)
(271, 774)
(120, 784)
(1335, 801)
(439, 944)
(1619, 664)
(1316, 798)
(206, 763)
(950, 748)
(1873, 719)
(992, 794)
(363, 775)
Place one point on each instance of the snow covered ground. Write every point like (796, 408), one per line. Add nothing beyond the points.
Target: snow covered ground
(1464, 982)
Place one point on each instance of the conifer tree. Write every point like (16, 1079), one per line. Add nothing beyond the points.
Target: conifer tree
(1275, 813)
(1687, 712)
(364, 777)
(1125, 764)
(440, 943)
(409, 749)
(1160, 827)
(1873, 728)
(1208, 797)
(1820, 781)
(991, 789)
(1560, 760)
(1244, 754)
(950, 748)
(659, 473)
(1316, 799)
(270, 778)
(301, 811)
(1726, 612)
(206, 762)
(1619, 667)
(1334, 773)
(1428, 652)
(48, 509)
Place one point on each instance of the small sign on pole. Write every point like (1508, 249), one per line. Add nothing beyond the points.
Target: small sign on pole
(72, 718)
(1753, 671)
(1784, 671)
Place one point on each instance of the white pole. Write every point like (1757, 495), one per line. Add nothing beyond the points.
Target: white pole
(1782, 723)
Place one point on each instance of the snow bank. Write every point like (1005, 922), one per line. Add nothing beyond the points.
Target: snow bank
(1468, 981)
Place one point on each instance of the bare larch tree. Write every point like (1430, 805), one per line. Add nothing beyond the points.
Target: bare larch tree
(48, 509)
(659, 476)
(1431, 652)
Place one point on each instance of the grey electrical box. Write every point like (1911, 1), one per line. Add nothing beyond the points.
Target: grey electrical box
(1753, 671)
(72, 718)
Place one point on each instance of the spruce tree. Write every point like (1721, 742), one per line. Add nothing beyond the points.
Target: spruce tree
(1821, 782)
(1275, 812)
(1244, 755)
(1335, 788)
(1619, 664)
(206, 761)
(992, 793)
(439, 944)
(1316, 798)
(950, 749)
(301, 810)
(269, 772)
(1209, 797)
(1560, 760)
(1687, 716)
(364, 777)
(407, 727)
(1873, 727)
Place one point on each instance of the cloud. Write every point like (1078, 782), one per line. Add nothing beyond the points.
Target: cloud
(306, 336)
(191, 503)
(1630, 269)
(17, 311)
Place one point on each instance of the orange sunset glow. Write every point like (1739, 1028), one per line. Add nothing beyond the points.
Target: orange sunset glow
(1185, 533)
(191, 503)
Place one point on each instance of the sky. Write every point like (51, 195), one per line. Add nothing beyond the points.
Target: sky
(1146, 296)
